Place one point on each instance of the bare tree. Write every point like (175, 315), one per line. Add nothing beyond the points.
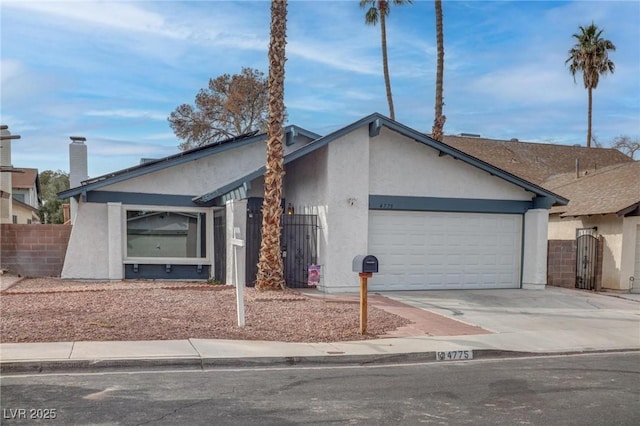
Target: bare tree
(626, 145)
(230, 106)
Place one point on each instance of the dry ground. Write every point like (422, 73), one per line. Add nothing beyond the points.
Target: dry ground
(52, 310)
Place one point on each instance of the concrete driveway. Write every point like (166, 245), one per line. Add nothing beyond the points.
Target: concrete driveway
(550, 315)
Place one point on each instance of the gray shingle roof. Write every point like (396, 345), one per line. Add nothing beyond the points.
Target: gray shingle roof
(536, 162)
(614, 189)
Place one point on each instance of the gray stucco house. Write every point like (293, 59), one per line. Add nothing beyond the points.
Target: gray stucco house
(434, 216)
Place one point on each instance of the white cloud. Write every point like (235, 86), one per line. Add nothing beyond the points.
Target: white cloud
(341, 57)
(128, 113)
(160, 136)
(117, 15)
(11, 68)
(109, 147)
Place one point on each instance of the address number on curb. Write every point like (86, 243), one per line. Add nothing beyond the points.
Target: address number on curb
(454, 355)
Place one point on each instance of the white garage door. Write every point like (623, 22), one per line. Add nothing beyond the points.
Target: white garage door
(434, 250)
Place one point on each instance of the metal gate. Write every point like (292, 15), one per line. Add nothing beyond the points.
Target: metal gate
(299, 247)
(298, 243)
(586, 258)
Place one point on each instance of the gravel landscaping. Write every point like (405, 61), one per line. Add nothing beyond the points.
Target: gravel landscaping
(54, 310)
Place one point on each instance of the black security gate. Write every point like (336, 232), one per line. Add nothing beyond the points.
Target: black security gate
(299, 247)
(586, 258)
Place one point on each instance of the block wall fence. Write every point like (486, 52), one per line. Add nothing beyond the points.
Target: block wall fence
(561, 263)
(33, 250)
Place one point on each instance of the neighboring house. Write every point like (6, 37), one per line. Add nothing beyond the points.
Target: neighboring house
(26, 195)
(434, 216)
(20, 197)
(603, 186)
(605, 203)
(24, 213)
(21, 205)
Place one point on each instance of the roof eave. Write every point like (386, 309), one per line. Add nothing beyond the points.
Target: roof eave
(635, 207)
(173, 160)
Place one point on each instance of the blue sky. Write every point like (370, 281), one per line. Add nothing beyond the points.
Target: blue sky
(113, 71)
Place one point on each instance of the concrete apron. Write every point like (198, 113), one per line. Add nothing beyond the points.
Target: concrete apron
(531, 320)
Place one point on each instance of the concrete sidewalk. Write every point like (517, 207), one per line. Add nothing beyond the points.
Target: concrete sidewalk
(511, 322)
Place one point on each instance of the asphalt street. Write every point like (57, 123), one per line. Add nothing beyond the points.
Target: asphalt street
(593, 389)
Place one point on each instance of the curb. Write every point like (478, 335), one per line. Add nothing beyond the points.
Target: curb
(99, 365)
(203, 364)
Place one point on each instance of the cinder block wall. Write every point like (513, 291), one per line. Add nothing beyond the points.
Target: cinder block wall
(33, 250)
(561, 263)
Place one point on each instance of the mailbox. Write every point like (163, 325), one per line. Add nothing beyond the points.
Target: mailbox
(365, 264)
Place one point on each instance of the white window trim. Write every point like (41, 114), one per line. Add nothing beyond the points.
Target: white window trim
(169, 260)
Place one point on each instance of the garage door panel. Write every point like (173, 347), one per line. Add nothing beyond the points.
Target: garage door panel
(436, 250)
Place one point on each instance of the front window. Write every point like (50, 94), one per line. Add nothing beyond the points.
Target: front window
(176, 234)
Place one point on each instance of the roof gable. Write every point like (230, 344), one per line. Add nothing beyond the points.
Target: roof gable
(374, 122)
(151, 166)
(24, 178)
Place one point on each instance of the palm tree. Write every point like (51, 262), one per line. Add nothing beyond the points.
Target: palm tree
(270, 269)
(438, 121)
(379, 10)
(591, 56)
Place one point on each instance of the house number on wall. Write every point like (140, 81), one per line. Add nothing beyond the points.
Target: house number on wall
(386, 206)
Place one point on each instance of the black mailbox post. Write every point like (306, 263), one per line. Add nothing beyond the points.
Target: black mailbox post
(365, 266)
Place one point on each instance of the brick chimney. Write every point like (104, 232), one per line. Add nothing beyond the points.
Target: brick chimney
(78, 170)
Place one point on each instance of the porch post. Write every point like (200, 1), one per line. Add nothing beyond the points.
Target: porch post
(114, 244)
(534, 261)
(628, 255)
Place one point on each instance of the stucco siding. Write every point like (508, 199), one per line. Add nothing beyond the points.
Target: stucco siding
(306, 179)
(348, 208)
(88, 250)
(401, 166)
(563, 229)
(306, 190)
(534, 261)
(199, 176)
(24, 214)
(257, 188)
(630, 254)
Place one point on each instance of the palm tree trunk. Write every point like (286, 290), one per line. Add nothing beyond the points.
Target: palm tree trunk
(385, 63)
(439, 119)
(589, 117)
(270, 269)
